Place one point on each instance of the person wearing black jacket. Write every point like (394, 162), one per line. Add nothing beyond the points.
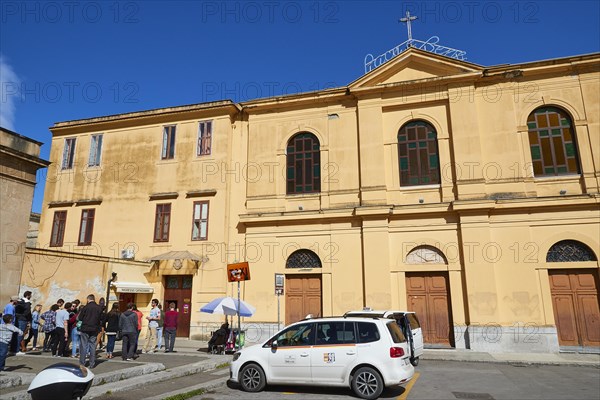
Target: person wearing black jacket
(128, 323)
(23, 316)
(90, 317)
(111, 327)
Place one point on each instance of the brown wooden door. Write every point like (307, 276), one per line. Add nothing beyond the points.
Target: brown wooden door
(575, 305)
(178, 289)
(302, 297)
(429, 297)
(124, 299)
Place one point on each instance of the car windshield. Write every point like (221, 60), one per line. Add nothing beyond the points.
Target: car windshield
(396, 332)
(297, 335)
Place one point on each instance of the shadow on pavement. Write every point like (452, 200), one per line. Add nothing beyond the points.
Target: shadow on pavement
(14, 368)
(388, 393)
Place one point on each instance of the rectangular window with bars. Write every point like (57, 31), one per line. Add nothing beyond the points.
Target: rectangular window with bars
(86, 227)
(168, 145)
(68, 153)
(58, 229)
(95, 150)
(162, 222)
(204, 138)
(200, 221)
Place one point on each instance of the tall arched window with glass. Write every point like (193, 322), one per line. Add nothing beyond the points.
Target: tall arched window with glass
(418, 154)
(303, 167)
(552, 142)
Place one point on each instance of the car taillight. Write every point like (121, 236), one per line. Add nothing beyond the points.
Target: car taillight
(396, 352)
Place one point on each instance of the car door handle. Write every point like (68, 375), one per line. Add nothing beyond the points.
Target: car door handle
(303, 354)
(351, 353)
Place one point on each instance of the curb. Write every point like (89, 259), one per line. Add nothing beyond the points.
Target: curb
(12, 380)
(99, 380)
(214, 384)
(592, 364)
(160, 376)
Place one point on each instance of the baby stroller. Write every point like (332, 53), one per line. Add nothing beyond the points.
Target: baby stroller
(217, 343)
(230, 345)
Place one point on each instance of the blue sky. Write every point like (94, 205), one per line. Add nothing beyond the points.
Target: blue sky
(64, 60)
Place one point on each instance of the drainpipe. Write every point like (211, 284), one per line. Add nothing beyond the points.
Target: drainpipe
(111, 280)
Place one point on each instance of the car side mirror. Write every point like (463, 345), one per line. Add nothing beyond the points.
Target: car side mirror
(274, 344)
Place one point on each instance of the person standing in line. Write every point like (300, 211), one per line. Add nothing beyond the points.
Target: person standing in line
(9, 309)
(170, 326)
(111, 326)
(73, 332)
(35, 324)
(100, 340)
(23, 318)
(7, 330)
(49, 318)
(128, 324)
(159, 329)
(61, 333)
(153, 319)
(139, 315)
(88, 332)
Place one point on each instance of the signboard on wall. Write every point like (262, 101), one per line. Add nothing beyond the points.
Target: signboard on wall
(279, 282)
(238, 272)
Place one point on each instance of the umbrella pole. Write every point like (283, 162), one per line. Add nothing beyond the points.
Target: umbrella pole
(238, 313)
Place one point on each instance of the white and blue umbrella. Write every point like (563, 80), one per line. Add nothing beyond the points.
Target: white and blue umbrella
(229, 306)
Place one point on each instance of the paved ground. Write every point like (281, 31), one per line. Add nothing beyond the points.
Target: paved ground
(189, 369)
(453, 380)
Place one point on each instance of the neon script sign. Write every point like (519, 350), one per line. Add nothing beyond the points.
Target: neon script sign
(431, 45)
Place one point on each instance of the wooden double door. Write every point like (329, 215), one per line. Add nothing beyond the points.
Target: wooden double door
(575, 304)
(302, 297)
(428, 295)
(178, 290)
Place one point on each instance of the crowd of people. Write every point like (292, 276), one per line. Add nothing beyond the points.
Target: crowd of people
(78, 330)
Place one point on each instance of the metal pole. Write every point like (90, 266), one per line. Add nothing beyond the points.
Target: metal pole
(114, 276)
(278, 319)
(238, 313)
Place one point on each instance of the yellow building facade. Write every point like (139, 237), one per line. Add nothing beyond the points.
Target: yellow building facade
(467, 193)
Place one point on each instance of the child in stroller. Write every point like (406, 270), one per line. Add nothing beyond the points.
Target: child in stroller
(216, 344)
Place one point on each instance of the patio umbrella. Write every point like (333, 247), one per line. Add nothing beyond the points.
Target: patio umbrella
(229, 306)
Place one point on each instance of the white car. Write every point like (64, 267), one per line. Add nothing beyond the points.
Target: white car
(366, 354)
(409, 323)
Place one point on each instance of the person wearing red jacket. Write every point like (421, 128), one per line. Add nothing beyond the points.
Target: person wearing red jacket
(139, 327)
(170, 327)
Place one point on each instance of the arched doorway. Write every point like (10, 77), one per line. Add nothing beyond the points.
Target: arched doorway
(428, 294)
(574, 295)
(303, 291)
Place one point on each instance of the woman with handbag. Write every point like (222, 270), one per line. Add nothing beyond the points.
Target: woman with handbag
(111, 327)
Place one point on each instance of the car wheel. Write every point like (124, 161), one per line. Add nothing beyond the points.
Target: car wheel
(252, 378)
(414, 361)
(367, 383)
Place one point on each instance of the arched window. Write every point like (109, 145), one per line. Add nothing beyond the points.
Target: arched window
(570, 251)
(303, 170)
(303, 259)
(425, 255)
(418, 154)
(552, 142)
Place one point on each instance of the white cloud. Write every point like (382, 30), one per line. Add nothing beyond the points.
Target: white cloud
(9, 92)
